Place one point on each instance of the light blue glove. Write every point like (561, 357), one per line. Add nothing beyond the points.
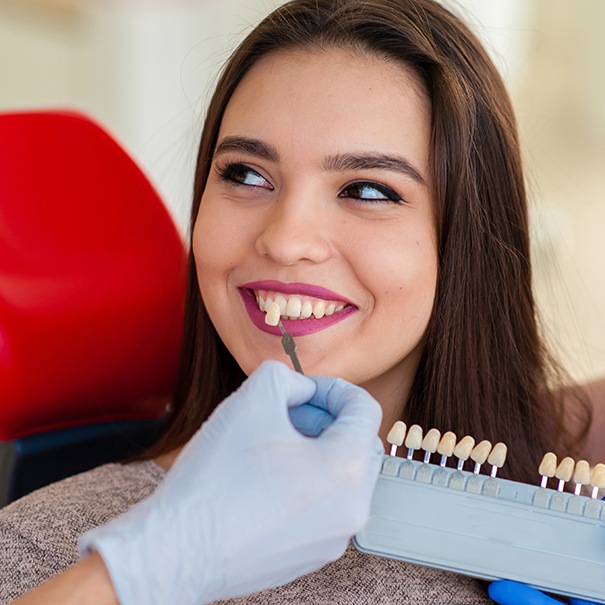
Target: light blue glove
(250, 503)
(507, 592)
(311, 418)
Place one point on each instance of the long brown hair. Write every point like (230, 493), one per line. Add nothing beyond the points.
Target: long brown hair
(484, 369)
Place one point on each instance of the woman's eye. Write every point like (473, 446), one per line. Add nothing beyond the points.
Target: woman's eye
(370, 192)
(243, 175)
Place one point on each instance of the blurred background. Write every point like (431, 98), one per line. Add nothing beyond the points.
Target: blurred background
(144, 69)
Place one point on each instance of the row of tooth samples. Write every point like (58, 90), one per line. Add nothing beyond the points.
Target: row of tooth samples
(447, 446)
(296, 307)
(568, 470)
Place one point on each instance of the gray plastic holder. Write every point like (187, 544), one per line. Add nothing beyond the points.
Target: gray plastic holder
(488, 528)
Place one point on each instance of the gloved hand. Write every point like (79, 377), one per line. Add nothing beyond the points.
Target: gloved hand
(507, 592)
(250, 502)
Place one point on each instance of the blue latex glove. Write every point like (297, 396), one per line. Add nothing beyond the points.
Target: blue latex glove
(250, 502)
(507, 592)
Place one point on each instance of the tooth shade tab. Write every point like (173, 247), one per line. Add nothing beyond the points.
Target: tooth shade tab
(548, 465)
(547, 468)
(293, 306)
(413, 440)
(463, 448)
(565, 469)
(397, 433)
(564, 472)
(273, 314)
(430, 443)
(497, 456)
(597, 477)
(481, 451)
(446, 445)
(581, 476)
(414, 437)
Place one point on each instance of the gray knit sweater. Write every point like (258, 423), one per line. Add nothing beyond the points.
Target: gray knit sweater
(38, 536)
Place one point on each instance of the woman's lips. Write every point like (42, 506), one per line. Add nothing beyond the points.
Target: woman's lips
(304, 292)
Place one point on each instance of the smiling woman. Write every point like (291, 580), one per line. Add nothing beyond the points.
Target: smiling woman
(324, 205)
(359, 166)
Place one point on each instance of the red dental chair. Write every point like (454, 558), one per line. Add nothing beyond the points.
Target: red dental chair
(92, 273)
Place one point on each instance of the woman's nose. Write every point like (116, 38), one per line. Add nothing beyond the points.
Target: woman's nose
(294, 232)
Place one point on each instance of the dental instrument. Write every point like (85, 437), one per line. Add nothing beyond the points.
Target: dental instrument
(273, 318)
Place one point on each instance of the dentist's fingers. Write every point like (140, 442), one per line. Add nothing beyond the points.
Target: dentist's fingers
(310, 420)
(348, 403)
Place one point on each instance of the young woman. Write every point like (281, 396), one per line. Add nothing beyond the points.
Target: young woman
(359, 164)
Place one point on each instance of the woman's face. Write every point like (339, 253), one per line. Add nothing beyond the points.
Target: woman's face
(318, 197)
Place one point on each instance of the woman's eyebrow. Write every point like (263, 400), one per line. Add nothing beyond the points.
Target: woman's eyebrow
(252, 146)
(338, 163)
(367, 161)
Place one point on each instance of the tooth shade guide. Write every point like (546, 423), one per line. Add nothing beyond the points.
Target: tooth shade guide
(430, 443)
(396, 436)
(547, 468)
(446, 446)
(517, 542)
(413, 440)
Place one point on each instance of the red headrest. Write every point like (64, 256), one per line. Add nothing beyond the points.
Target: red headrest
(92, 275)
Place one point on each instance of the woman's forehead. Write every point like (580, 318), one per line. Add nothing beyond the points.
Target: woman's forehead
(331, 100)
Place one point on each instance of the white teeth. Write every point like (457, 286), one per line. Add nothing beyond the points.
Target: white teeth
(307, 309)
(297, 307)
(281, 301)
(294, 307)
(319, 309)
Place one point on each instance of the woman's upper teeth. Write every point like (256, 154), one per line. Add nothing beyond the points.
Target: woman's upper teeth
(298, 307)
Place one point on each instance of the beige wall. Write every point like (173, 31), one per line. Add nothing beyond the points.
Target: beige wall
(560, 102)
(143, 68)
